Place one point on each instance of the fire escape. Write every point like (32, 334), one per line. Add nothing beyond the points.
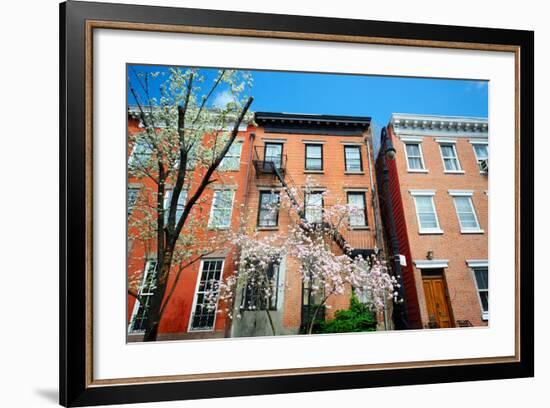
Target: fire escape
(275, 165)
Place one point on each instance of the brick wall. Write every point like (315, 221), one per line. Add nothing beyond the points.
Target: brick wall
(452, 245)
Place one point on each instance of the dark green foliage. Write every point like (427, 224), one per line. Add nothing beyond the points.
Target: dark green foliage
(358, 318)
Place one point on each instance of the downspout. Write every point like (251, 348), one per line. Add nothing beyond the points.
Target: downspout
(375, 204)
(376, 210)
(400, 317)
(252, 136)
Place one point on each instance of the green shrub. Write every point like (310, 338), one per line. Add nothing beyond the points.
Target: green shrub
(358, 318)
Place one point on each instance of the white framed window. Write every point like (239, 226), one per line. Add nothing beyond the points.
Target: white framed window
(314, 207)
(268, 211)
(480, 270)
(203, 312)
(133, 194)
(481, 151)
(352, 159)
(222, 206)
(141, 154)
(415, 159)
(426, 215)
(232, 159)
(314, 157)
(182, 199)
(450, 157)
(145, 293)
(357, 200)
(467, 217)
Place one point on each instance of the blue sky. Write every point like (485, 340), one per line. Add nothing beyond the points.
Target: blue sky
(361, 95)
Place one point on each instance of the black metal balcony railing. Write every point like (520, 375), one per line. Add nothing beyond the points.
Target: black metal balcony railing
(268, 163)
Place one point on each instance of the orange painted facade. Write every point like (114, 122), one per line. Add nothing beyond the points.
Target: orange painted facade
(293, 133)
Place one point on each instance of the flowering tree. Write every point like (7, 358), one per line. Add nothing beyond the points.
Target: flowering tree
(187, 129)
(324, 272)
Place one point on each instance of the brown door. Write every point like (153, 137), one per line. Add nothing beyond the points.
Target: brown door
(439, 312)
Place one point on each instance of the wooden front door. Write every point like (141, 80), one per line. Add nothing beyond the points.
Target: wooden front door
(439, 312)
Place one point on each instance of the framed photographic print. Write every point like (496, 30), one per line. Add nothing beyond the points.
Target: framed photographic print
(256, 204)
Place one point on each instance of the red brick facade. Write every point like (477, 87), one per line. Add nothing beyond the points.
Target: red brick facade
(450, 252)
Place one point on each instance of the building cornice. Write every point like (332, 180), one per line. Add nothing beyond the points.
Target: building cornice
(439, 126)
(299, 123)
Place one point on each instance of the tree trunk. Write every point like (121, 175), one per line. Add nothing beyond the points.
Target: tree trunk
(154, 315)
(270, 321)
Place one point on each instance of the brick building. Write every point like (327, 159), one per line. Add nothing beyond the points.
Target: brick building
(433, 177)
(266, 159)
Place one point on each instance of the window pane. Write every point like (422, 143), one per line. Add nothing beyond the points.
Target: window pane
(221, 209)
(314, 207)
(466, 213)
(204, 313)
(353, 158)
(413, 150)
(482, 278)
(273, 154)
(481, 151)
(424, 204)
(232, 158)
(314, 154)
(426, 212)
(358, 217)
(268, 210)
(415, 163)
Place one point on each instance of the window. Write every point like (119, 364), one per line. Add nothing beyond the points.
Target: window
(182, 199)
(482, 155)
(232, 159)
(414, 156)
(141, 154)
(204, 311)
(314, 157)
(425, 213)
(450, 158)
(268, 212)
(466, 214)
(141, 307)
(311, 301)
(222, 204)
(273, 156)
(352, 156)
(132, 198)
(262, 295)
(481, 274)
(358, 218)
(314, 207)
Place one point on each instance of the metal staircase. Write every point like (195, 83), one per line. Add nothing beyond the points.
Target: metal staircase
(278, 170)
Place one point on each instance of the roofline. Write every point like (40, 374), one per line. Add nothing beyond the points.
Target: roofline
(304, 117)
(444, 118)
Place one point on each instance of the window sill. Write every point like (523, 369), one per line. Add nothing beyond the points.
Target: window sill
(358, 228)
(354, 172)
(218, 228)
(200, 330)
(478, 231)
(314, 171)
(454, 172)
(267, 228)
(228, 170)
(431, 232)
(418, 170)
(485, 316)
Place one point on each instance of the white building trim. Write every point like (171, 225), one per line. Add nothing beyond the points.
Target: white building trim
(477, 263)
(463, 193)
(431, 264)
